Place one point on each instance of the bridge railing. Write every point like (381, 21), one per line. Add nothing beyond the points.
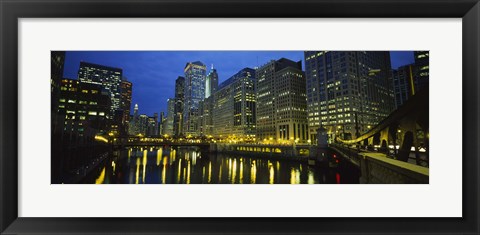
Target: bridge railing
(354, 150)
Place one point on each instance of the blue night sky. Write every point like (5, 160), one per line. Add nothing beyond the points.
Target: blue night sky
(153, 73)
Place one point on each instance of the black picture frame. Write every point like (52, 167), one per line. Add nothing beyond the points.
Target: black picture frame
(11, 11)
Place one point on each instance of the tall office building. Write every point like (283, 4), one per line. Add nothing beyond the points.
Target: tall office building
(160, 123)
(233, 111)
(109, 77)
(207, 116)
(126, 101)
(57, 61)
(195, 73)
(142, 124)
(179, 100)
(151, 126)
(422, 62)
(410, 79)
(404, 83)
(281, 105)
(348, 92)
(168, 123)
(84, 107)
(211, 82)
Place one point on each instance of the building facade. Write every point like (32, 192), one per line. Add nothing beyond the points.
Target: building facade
(109, 78)
(211, 82)
(281, 102)
(404, 79)
(179, 100)
(422, 61)
(195, 75)
(125, 105)
(84, 108)
(233, 109)
(168, 123)
(348, 92)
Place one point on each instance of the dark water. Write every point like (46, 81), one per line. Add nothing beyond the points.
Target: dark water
(190, 166)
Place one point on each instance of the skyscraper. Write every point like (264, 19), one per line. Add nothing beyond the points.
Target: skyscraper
(84, 108)
(348, 92)
(57, 61)
(168, 124)
(126, 102)
(133, 128)
(179, 101)
(404, 80)
(234, 106)
(211, 82)
(422, 62)
(281, 101)
(195, 73)
(109, 77)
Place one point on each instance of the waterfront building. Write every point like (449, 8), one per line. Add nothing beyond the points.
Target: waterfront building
(109, 78)
(207, 116)
(152, 126)
(141, 125)
(423, 73)
(404, 83)
(195, 74)
(168, 123)
(84, 108)
(233, 110)
(132, 126)
(160, 123)
(125, 103)
(281, 105)
(178, 110)
(211, 82)
(57, 61)
(348, 92)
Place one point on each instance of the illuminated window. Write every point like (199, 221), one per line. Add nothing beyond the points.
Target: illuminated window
(93, 113)
(62, 100)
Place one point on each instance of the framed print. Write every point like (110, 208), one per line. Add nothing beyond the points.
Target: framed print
(239, 117)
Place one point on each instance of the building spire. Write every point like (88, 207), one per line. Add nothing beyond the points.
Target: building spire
(212, 66)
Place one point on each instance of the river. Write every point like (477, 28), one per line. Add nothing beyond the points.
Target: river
(190, 166)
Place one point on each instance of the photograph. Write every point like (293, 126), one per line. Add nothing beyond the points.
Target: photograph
(239, 117)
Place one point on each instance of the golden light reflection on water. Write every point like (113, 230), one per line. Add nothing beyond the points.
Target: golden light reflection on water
(144, 162)
(173, 155)
(241, 171)
(164, 170)
(210, 172)
(137, 172)
(188, 173)
(294, 176)
(272, 174)
(101, 177)
(228, 169)
(311, 177)
(234, 170)
(179, 170)
(253, 172)
(159, 156)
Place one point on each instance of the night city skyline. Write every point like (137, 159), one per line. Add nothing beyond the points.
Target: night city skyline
(153, 73)
(240, 117)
